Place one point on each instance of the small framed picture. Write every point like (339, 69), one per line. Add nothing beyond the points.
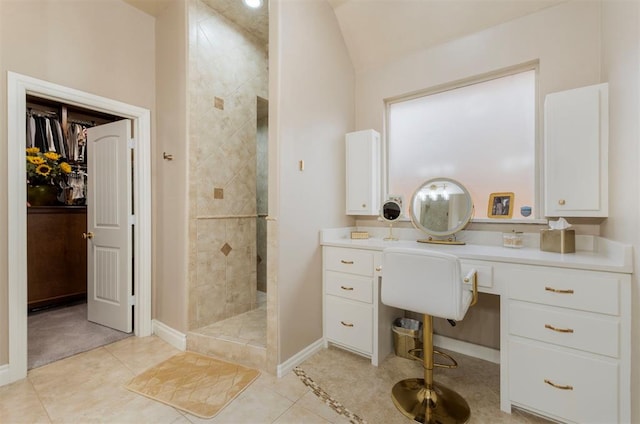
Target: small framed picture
(500, 205)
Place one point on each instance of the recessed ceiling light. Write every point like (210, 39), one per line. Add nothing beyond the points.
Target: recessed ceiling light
(254, 4)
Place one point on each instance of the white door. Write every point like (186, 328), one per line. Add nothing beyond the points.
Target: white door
(109, 231)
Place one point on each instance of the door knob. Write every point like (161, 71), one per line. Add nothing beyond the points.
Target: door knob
(88, 235)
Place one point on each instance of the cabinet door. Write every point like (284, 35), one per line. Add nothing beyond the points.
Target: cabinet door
(576, 152)
(363, 172)
(57, 255)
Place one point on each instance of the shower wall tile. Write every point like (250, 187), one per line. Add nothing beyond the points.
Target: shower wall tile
(243, 230)
(239, 263)
(211, 270)
(211, 235)
(261, 251)
(239, 294)
(204, 305)
(192, 256)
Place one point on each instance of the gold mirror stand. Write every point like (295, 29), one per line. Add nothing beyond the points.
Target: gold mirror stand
(450, 240)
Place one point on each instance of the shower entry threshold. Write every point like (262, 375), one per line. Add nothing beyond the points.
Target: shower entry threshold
(241, 339)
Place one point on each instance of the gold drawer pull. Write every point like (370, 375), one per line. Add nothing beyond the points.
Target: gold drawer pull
(346, 324)
(551, 289)
(557, 386)
(346, 288)
(559, 330)
(347, 262)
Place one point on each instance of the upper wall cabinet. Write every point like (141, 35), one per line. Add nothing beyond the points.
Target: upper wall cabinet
(363, 172)
(576, 139)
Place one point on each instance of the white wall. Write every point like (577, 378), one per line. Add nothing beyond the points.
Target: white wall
(621, 68)
(565, 39)
(106, 48)
(170, 177)
(313, 95)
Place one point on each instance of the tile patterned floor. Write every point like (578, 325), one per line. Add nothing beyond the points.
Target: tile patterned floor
(89, 388)
(365, 390)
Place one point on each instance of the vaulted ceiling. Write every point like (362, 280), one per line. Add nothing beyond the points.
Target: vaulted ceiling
(377, 31)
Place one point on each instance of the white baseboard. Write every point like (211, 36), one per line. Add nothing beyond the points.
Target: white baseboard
(169, 335)
(469, 349)
(286, 367)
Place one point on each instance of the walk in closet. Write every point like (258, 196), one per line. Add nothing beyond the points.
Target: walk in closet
(56, 249)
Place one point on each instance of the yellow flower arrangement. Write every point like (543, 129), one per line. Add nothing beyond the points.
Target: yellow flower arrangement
(45, 168)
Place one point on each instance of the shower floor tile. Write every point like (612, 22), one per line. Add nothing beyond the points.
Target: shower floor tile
(247, 328)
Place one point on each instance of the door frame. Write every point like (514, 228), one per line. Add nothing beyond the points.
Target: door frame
(18, 86)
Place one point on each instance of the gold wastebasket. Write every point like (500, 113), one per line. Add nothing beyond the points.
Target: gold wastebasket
(407, 334)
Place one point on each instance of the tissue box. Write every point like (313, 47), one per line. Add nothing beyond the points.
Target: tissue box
(560, 241)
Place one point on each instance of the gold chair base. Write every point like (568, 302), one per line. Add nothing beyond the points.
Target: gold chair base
(439, 405)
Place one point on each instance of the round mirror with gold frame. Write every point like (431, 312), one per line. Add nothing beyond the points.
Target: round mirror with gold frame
(441, 207)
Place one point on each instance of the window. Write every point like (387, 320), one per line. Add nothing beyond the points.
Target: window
(481, 134)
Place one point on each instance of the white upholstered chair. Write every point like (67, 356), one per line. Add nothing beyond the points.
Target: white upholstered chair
(430, 283)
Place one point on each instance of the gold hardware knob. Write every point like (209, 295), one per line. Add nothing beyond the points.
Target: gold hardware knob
(347, 262)
(167, 156)
(346, 288)
(559, 330)
(378, 268)
(551, 289)
(561, 202)
(88, 235)
(346, 324)
(364, 205)
(558, 386)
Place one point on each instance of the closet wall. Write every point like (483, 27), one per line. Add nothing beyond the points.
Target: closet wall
(56, 249)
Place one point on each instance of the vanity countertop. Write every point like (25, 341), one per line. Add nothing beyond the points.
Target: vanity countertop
(592, 253)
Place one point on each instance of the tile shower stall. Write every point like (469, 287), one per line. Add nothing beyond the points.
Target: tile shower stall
(228, 83)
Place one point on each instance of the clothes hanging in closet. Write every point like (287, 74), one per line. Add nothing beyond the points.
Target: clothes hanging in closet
(45, 132)
(76, 141)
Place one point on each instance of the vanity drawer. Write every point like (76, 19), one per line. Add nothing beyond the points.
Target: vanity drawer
(579, 330)
(352, 261)
(349, 323)
(584, 290)
(484, 272)
(570, 386)
(349, 286)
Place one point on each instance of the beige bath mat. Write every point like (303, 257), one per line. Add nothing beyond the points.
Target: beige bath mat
(194, 383)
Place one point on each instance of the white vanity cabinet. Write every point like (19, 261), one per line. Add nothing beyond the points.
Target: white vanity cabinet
(565, 319)
(363, 172)
(569, 343)
(353, 317)
(576, 152)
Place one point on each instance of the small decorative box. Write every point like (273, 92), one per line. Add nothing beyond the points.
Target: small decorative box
(513, 239)
(559, 241)
(359, 235)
